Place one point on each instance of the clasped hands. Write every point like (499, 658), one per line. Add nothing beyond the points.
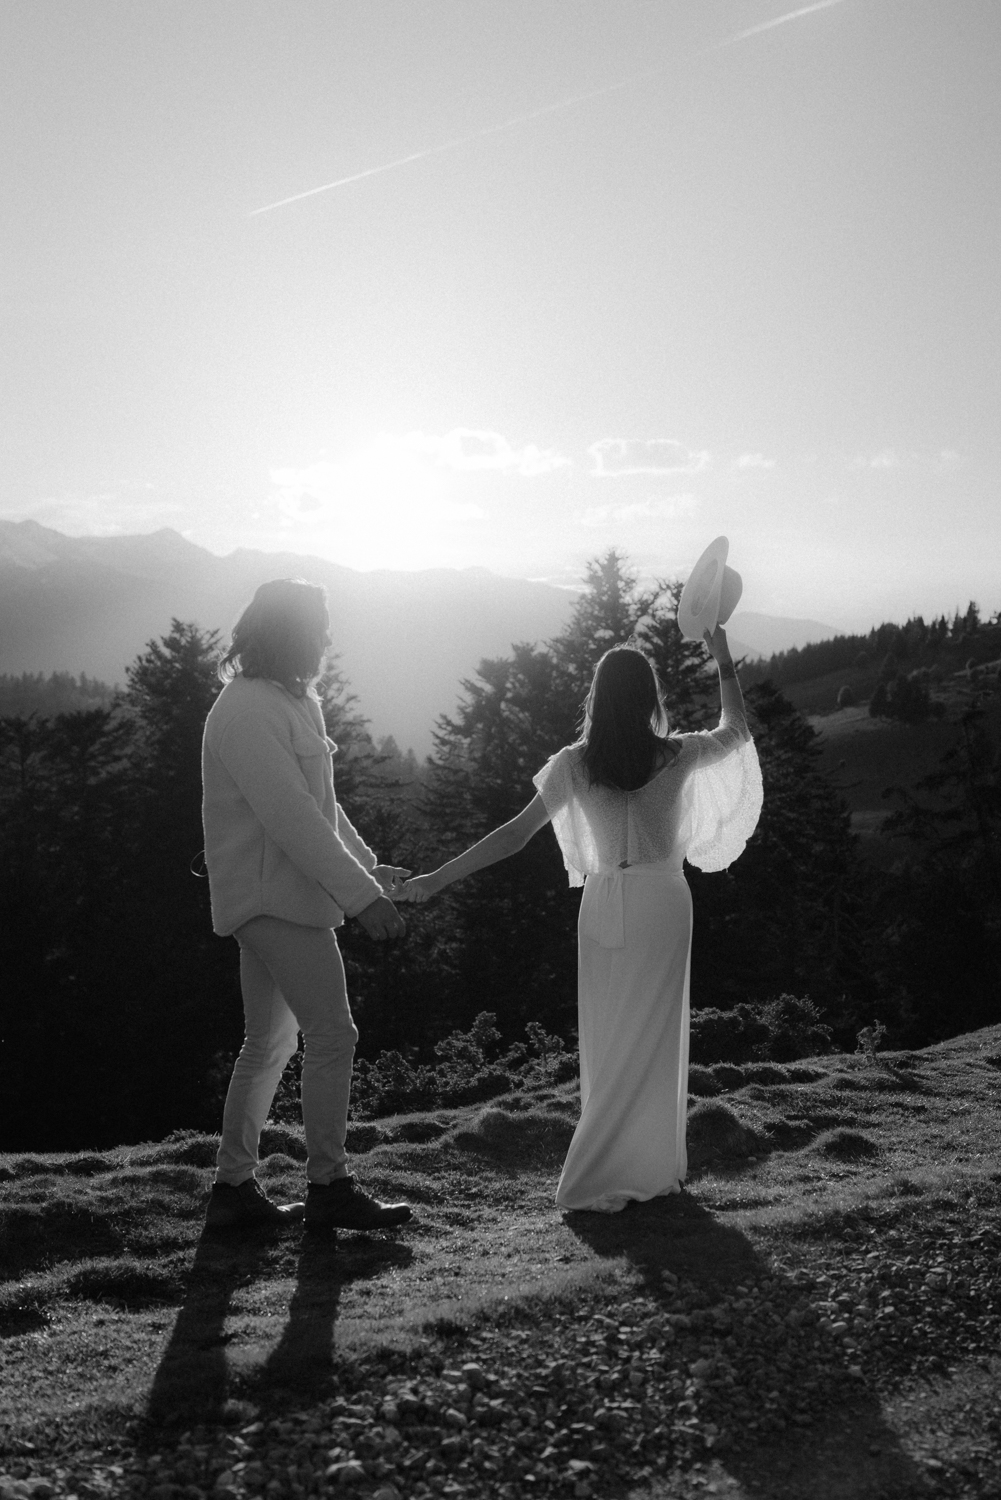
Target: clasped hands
(380, 919)
(398, 884)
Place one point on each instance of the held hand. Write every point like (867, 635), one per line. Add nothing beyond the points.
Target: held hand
(419, 890)
(716, 645)
(381, 920)
(391, 878)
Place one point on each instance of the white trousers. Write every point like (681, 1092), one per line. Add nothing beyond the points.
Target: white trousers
(292, 979)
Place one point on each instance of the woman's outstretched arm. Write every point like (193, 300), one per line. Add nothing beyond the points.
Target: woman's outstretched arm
(500, 844)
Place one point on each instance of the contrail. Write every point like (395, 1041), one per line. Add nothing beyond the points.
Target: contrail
(546, 109)
(793, 15)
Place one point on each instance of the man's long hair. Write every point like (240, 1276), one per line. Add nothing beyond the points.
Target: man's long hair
(282, 635)
(625, 721)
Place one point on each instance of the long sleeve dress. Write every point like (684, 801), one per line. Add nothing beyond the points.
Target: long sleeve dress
(634, 946)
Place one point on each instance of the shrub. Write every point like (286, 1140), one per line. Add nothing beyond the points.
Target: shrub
(727, 1035)
(869, 1039)
(466, 1070)
(795, 1029)
(393, 1084)
(548, 1049)
(781, 1030)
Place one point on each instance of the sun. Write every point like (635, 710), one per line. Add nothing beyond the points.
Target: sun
(386, 504)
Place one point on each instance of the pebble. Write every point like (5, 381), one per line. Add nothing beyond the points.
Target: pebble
(347, 1472)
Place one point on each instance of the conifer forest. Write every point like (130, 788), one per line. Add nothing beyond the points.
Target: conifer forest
(122, 1012)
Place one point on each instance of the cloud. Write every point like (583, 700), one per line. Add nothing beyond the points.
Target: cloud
(886, 458)
(467, 449)
(667, 508)
(753, 461)
(616, 456)
(892, 458)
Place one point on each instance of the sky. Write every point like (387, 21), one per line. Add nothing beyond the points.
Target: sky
(739, 284)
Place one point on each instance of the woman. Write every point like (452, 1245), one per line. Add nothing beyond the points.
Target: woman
(285, 867)
(629, 802)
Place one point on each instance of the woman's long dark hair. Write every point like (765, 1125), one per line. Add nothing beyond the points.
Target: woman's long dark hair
(625, 721)
(282, 635)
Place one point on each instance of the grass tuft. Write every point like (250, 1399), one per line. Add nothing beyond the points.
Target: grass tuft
(714, 1130)
(187, 1148)
(127, 1282)
(702, 1082)
(847, 1145)
(283, 1139)
(537, 1136)
(417, 1131)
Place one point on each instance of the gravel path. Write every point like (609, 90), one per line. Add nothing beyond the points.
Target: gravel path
(584, 1399)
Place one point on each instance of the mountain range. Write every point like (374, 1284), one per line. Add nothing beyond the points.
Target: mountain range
(406, 639)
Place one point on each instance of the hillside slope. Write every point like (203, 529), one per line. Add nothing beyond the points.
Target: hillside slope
(816, 1315)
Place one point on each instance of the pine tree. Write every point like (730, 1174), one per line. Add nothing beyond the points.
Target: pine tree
(182, 982)
(65, 850)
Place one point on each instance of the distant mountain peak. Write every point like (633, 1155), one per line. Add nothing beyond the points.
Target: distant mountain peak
(767, 635)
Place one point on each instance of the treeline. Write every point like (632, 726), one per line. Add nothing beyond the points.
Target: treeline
(124, 1015)
(59, 693)
(949, 644)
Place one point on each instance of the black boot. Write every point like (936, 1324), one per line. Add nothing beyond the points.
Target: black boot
(248, 1207)
(342, 1204)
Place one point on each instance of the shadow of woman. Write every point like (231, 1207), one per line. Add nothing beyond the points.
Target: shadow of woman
(740, 1348)
(673, 1234)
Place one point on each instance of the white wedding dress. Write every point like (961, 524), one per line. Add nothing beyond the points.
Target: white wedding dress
(634, 947)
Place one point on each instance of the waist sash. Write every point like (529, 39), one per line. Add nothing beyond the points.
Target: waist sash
(602, 914)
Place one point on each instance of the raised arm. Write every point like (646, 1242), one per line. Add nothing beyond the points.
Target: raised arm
(731, 698)
(500, 844)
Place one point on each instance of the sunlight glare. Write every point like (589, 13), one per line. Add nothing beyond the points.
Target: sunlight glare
(383, 506)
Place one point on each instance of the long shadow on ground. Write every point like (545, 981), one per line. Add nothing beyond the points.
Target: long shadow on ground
(849, 1452)
(303, 1359)
(195, 1377)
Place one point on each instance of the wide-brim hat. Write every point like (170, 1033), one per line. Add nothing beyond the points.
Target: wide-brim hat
(711, 594)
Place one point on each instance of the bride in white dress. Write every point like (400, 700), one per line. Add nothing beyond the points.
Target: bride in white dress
(629, 802)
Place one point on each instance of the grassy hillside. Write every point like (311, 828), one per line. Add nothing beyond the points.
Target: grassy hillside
(865, 756)
(816, 1315)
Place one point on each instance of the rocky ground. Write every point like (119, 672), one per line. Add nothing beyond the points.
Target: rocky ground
(820, 1321)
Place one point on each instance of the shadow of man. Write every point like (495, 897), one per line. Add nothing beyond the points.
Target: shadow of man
(778, 1401)
(192, 1380)
(302, 1362)
(195, 1379)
